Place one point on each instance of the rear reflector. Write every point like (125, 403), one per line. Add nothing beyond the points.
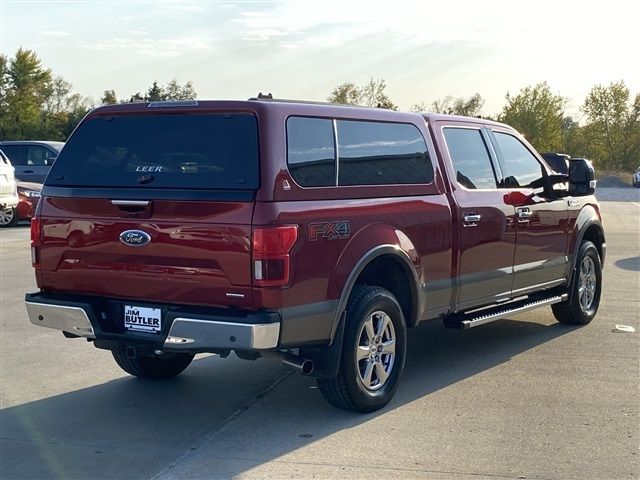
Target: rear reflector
(271, 247)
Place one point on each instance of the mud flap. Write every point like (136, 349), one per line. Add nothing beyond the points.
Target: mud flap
(326, 360)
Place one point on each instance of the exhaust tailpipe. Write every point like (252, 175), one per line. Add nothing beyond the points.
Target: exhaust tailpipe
(302, 365)
(299, 364)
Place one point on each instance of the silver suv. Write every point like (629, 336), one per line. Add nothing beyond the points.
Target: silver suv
(32, 159)
(8, 193)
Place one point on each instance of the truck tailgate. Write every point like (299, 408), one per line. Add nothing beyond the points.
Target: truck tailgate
(199, 252)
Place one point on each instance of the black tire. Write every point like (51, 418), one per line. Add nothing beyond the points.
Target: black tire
(9, 217)
(347, 391)
(579, 311)
(160, 367)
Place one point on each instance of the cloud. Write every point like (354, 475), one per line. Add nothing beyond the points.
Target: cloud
(55, 33)
(173, 7)
(151, 47)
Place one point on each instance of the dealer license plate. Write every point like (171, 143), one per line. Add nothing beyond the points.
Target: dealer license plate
(142, 319)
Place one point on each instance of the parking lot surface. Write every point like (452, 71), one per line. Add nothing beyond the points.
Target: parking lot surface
(522, 397)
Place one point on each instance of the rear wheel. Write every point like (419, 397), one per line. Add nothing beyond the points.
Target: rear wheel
(156, 367)
(8, 217)
(373, 352)
(585, 289)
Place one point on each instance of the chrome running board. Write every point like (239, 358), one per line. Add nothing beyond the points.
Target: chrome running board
(476, 318)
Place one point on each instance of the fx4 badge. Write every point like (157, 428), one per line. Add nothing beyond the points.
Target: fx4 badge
(329, 230)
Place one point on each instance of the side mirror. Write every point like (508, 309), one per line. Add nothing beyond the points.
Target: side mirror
(582, 177)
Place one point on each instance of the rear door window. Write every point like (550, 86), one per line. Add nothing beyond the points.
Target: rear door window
(377, 153)
(206, 151)
(311, 154)
(16, 153)
(38, 156)
(470, 158)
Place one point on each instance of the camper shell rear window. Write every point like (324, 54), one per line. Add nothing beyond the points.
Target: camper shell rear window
(193, 151)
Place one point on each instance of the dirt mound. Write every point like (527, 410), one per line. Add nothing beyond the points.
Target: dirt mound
(611, 181)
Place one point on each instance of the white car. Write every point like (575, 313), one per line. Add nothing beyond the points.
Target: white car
(636, 178)
(8, 193)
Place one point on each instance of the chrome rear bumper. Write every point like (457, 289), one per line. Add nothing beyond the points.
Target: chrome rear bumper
(190, 333)
(185, 334)
(72, 320)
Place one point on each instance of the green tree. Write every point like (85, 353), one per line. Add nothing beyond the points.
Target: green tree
(4, 89)
(26, 70)
(174, 91)
(109, 97)
(56, 94)
(346, 93)
(614, 125)
(155, 93)
(538, 114)
(171, 91)
(469, 107)
(27, 84)
(76, 107)
(33, 103)
(372, 94)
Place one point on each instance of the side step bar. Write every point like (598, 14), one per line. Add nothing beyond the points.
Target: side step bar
(480, 317)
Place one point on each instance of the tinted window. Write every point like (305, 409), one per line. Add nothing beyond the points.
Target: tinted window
(16, 154)
(175, 151)
(521, 168)
(373, 153)
(39, 156)
(470, 158)
(310, 151)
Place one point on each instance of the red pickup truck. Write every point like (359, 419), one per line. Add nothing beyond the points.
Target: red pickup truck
(312, 234)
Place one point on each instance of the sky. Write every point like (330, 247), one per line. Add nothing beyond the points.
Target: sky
(424, 50)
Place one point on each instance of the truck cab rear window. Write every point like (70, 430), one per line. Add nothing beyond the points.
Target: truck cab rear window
(311, 151)
(368, 153)
(213, 151)
(376, 153)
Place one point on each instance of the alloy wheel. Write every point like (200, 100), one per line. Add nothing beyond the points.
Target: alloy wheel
(376, 350)
(6, 216)
(587, 283)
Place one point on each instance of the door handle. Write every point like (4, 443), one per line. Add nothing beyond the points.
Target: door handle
(524, 214)
(471, 220)
(28, 171)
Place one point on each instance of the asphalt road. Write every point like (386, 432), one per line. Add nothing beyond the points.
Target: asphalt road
(519, 398)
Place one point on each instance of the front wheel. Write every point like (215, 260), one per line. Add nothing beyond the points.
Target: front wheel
(585, 289)
(8, 217)
(156, 367)
(373, 352)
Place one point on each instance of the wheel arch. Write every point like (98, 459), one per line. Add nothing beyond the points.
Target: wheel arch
(590, 229)
(399, 272)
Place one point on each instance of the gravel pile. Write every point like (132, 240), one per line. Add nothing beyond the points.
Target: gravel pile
(611, 181)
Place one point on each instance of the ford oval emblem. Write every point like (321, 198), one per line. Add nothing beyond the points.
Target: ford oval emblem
(135, 238)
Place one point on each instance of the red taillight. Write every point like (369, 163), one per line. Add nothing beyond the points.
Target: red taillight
(36, 239)
(271, 247)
